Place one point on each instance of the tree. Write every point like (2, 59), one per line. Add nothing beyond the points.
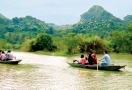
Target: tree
(43, 41)
(50, 31)
(130, 33)
(72, 42)
(130, 28)
(121, 41)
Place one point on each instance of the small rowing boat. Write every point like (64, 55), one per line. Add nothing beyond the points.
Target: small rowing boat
(107, 67)
(11, 61)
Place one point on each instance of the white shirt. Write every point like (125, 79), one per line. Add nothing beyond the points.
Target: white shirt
(3, 56)
(9, 56)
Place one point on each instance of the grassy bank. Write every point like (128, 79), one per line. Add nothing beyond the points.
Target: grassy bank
(57, 53)
(65, 53)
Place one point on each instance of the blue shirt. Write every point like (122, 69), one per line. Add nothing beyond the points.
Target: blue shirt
(107, 59)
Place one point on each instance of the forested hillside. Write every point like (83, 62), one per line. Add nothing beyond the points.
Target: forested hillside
(98, 13)
(19, 29)
(97, 21)
(96, 24)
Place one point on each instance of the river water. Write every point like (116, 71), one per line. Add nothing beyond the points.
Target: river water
(42, 72)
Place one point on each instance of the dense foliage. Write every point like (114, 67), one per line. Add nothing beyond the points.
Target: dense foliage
(41, 42)
(98, 13)
(96, 31)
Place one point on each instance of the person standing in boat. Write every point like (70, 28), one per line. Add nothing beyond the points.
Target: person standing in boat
(105, 59)
(9, 55)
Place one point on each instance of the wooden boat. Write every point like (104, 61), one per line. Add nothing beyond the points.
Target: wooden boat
(107, 67)
(11, 61)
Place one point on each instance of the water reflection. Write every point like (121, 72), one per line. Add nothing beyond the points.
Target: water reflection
(41, 72)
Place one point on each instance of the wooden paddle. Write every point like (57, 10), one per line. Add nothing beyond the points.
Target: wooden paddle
(14, 57)
(97, 68)
(97, 65)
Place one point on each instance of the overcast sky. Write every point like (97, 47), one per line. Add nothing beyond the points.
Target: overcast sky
(61, 11)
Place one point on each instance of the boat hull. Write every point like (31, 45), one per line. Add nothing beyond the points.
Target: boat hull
(11, 61)
(108, 67)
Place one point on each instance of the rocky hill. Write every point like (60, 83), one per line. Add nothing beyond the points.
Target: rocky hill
(98, 13)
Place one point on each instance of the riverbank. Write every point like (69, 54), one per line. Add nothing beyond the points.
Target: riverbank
(59, 53)
(65, 53)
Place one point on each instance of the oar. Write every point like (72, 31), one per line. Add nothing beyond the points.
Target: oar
(15, 57)
(97, 65)
(97, 68)
(125, 68)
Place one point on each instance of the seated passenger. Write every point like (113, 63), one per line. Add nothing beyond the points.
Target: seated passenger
(83, 60)
(94, 58)
(106, 59)
(0, 54)
(3, 56)
(9, 55)
(90, 59)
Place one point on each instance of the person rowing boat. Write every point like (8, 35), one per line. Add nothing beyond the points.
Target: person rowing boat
(106, 60)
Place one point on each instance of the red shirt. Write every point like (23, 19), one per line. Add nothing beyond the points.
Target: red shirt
(0, 53)
(83, 60)
(94, 58)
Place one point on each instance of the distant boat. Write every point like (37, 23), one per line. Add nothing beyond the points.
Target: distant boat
(11, 61)
(107, 67)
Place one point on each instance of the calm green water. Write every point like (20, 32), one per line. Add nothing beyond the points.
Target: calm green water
(41, 72)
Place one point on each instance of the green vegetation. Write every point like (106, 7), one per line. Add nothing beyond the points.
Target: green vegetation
(98, 13)
(97, 30)
(41, 42)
